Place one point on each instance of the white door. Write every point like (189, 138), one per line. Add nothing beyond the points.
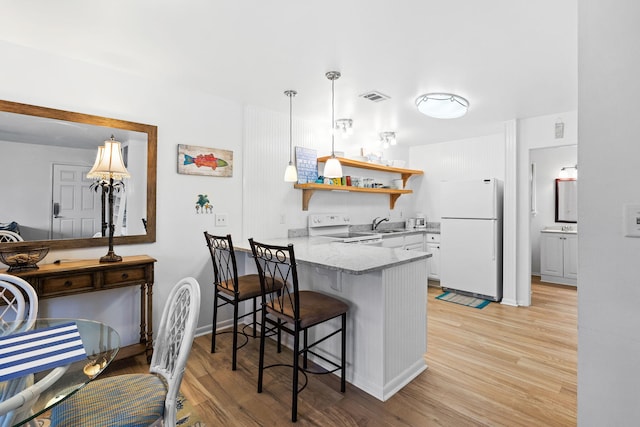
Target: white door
(75, 206)
(469, 256)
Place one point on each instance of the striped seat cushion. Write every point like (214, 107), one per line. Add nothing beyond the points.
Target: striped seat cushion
(122, 401)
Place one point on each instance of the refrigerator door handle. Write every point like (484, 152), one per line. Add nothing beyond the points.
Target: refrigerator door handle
(495, 239)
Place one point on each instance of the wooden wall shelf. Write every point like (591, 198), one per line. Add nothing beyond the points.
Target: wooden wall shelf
(309, 189)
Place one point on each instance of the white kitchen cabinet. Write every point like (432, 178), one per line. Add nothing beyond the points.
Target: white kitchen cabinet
(433, 246)
(559, 257)
(414, 242)
(410, 242)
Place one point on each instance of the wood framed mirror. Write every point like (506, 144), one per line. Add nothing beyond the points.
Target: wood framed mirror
(567, 200)
(34, 141)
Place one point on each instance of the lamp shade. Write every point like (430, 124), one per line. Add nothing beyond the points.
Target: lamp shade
(442, 105)
(92, 173)
(333, 168)
(290, 173)
(111, 164)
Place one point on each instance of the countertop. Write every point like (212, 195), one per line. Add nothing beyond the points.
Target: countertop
(350, 258)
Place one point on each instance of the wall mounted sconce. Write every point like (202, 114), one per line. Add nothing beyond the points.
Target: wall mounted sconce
(569, 172)
(387, 139)
(344, 127)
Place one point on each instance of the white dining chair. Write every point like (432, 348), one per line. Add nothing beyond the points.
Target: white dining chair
(142, 399)
(19, 308)
(7, 236)
(18, 313)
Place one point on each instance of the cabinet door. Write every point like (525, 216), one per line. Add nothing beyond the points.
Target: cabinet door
(434, 261)
(393, 242)
(414, 242)
(551, 254)
(571, 256)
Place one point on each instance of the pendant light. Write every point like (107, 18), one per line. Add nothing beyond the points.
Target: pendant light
(333, 168)
(290, 173)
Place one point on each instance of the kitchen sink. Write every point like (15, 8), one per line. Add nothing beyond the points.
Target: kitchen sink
(390, 231)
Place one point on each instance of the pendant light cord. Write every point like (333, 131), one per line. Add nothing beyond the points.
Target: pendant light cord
(290, 127)
(333, 81)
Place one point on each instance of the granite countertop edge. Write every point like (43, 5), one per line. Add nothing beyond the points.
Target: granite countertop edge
(354, 259)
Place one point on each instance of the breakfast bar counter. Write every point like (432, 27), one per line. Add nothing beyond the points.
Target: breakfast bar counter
(386, 290)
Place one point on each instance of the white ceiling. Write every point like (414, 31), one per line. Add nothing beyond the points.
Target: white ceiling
(509, 58)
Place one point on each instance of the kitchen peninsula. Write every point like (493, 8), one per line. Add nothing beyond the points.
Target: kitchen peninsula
(386, 290)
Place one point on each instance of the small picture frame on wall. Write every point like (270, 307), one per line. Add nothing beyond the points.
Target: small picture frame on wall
(195, 160)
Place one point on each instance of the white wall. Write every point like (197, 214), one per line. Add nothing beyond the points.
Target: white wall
(474, 158)
(182, 117)
(548, 162)
(609, 271)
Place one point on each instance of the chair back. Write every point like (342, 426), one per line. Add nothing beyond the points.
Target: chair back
(175, 338)
(7, 236)
(18, 312)
(277, 265)
(225, 269)
(18, 304)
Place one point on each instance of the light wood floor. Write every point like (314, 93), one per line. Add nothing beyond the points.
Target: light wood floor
(498, 366)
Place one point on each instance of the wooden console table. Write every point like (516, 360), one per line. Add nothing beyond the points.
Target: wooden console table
(77, 277)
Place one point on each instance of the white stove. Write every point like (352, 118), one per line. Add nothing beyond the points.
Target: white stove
(336, 226)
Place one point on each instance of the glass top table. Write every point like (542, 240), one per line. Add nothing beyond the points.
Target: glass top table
(101, 344)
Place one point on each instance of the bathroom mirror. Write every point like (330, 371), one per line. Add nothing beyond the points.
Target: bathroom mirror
(34, 141)
(567, 200)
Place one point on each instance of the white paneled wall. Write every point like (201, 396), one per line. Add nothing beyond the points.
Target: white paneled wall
(272, 206)
(475, 158)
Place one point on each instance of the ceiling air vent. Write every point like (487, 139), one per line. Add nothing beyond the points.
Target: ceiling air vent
(375, 96)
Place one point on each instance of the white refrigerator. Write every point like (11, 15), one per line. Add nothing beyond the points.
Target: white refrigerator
(471, 237)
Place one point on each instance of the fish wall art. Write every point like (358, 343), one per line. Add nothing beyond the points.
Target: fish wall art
(194, 160)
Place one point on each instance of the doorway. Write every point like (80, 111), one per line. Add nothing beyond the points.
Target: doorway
(546, 165)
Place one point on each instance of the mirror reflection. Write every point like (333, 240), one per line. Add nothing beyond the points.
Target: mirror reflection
(567, 200)
(47, 196)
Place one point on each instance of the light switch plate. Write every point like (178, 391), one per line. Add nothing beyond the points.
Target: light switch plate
(221, 220)
(631, 218)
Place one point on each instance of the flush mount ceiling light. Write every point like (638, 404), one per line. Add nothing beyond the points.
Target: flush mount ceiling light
(387, 139)
(442, 105)
(344, 126)
(333, 168)
(290, 173)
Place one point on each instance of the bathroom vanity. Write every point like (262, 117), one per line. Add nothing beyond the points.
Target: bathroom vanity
(559, 255)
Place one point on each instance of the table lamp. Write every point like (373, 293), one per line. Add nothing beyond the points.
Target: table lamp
(109, 167)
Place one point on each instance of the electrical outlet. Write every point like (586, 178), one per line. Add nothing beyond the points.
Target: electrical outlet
(283, 219)
(222, 220)
(631, 218)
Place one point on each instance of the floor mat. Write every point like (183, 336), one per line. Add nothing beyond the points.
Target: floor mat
(463, 300)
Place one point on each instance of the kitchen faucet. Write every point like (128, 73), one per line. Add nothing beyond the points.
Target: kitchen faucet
(376, 223)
